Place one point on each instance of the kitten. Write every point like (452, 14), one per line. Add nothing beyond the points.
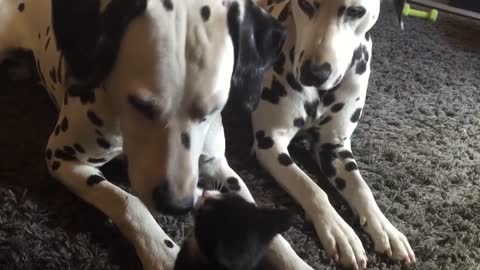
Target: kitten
(231, 234)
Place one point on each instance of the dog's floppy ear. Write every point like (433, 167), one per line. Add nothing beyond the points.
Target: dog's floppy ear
(90, 40)
(398, 7)
(258, 40)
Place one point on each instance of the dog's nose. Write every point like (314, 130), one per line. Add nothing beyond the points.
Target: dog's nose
(314, 74)
(166, 202)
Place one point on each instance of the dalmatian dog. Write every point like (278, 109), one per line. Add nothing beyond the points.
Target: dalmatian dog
(318, 88)
(146, 78)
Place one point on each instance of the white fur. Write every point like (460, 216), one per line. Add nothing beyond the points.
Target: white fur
(172, 58)
(326, 38)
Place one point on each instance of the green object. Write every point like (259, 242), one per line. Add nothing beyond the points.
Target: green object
(431, 16)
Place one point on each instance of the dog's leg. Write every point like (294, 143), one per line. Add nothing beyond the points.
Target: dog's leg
(337, 237)
(214, 165)
(333, 153)
(338, 164)
(155, 249)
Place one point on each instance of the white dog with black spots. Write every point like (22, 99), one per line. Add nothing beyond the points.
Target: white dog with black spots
(318, 87)
(146, 78)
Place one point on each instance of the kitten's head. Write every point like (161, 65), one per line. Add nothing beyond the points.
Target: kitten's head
(230, 234)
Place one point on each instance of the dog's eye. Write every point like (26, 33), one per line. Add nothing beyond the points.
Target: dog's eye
(355, 12)
(146, 107)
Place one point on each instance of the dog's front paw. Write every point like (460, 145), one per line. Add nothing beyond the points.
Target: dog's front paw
(339, 240)
(152, 261)
(157, 255)
(386, 238)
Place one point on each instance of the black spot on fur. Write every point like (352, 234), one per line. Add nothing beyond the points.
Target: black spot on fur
(356, 115)
(340, 183)
(47, 31)
(367, 35)
(311, 108)
(285, 159)
(86, 97)
(293, 82)
(57, 130)
(69, 150)
(274, 94)
(147, 108)
(103, 143)
(299, 122)
(337, 107)
(284, 13)
(366, 56)
(55, 165)
(325, 120)
(205, 12)
(93, 117)
(48, 154)
(63, 155)
(99, 133)
(357, 55)
(361, 67)
(306, 7)
(79, 148)
(168, 4)
(351, 166)
(328, 99)
(345, 154)
(321, 93)
(327, 155)
(168, 243)
(292, 55)
(47, 44)
(21, 7)
(96, 160)
(233, 184)
(264, 142)
(53, 75)
(94, 179)
(64, 124)
(278, 66)
(59, 70)
(185, 139)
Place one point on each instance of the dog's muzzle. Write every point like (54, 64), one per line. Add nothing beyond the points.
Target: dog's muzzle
(314, 74)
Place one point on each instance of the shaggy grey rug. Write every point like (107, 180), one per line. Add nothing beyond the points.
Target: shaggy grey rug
(418, 146)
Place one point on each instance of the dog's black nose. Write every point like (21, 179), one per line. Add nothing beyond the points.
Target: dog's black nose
(167, 203)
(314, 74)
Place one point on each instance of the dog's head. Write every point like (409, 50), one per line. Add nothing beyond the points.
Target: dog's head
(171, 79)
(230, 234)
(327, 34)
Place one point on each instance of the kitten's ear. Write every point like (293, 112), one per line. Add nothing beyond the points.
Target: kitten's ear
(276, 220)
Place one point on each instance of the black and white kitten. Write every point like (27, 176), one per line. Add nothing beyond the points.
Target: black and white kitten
(231, 234)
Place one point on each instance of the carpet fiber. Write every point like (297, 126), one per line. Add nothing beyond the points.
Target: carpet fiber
(418, 147)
